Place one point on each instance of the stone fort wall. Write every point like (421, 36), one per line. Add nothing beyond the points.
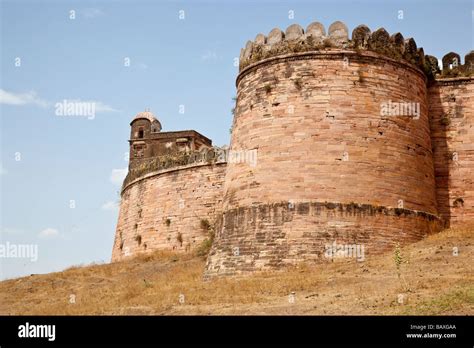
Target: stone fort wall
(168, 209)
(451, 103)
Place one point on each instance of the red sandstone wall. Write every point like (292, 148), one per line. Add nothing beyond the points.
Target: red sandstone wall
(160, 207)
(451, 104)
(302, 113)
(274, 235)
(336, 110)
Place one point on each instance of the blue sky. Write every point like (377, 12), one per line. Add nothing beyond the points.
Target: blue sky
(60, 175)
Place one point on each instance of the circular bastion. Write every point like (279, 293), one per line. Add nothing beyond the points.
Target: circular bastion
(343, 152)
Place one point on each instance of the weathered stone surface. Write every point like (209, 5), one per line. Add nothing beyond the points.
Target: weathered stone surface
(275, 36)
(410, 50)
(379, 40)
(432, 64)
(469, 61)
(317, 31)
(420, 56)
(451, 60)
(270, 236)
(248, 50)
(397, 41)
(338, 33)
(293, 32)
(361, 36)
(260, 39)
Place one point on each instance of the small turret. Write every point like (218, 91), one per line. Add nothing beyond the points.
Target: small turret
(148, 141)
(143, 124)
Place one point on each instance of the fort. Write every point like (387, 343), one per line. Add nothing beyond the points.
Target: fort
(329, 163)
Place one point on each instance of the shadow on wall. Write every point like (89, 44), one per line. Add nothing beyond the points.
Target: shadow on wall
(439, 123)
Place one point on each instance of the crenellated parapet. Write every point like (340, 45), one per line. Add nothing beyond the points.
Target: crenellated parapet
(206, 155)
(452, 66)
(295, 40)
(315, 38)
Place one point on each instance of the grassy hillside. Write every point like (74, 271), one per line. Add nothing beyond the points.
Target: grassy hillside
(432, 281)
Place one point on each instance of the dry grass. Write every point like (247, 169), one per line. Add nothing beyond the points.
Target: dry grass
(433, 281)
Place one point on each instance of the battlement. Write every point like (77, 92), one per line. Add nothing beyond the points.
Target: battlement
(452, 66)
(314, 38)
(145, 166)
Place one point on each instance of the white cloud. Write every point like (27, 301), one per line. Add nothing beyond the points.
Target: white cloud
(49, 233)
(117, 176)
(92, 12)
(30, 97)
(110, 205)
(101, 107)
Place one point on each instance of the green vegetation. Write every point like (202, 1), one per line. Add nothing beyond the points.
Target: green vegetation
(205, 247)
